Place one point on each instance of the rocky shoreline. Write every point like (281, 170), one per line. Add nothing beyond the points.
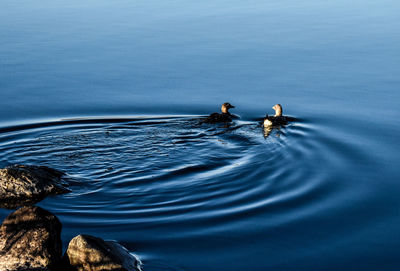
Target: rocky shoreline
(30, 237)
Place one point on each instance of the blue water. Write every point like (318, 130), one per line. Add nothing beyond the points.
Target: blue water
(112, 93)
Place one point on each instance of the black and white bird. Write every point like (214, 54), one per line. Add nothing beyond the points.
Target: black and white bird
(278, 119)
(224, 116)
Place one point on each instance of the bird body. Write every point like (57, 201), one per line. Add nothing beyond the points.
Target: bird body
(222, 117)
(274, 121)
(278, 119)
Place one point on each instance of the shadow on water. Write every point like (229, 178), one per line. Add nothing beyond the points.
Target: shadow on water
(160, 185)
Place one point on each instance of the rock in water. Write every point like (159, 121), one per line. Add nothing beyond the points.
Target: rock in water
(87, 252)
(30, 240)
(24, 185)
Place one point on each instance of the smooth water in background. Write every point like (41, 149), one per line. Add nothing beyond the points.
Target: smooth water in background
(112, 92)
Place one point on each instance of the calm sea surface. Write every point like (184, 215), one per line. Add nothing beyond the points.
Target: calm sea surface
(111, 92)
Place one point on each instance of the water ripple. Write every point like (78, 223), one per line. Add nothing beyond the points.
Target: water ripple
(175, 173)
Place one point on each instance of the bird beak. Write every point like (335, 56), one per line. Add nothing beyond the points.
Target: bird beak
(232, 106)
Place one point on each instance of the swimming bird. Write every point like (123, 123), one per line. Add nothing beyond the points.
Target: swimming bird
(278, 119)
(225, 116)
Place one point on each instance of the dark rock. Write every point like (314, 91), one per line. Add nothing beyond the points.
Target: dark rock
(87, 252)
(25, 185)
(30, 240)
